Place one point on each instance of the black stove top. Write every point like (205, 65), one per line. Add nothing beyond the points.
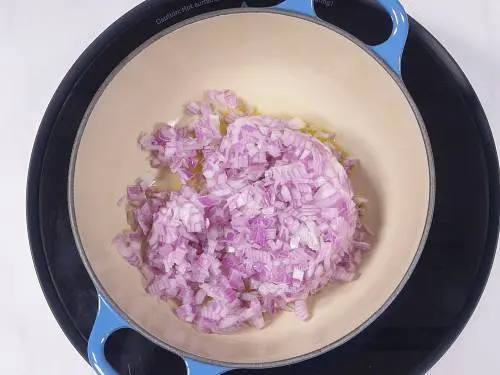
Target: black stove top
(443, 291)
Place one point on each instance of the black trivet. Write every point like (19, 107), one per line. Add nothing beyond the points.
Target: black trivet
(443, 291)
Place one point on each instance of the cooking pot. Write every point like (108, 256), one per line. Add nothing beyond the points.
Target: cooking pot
(284, 60)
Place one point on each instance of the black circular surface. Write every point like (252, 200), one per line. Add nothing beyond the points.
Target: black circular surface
(448, 281)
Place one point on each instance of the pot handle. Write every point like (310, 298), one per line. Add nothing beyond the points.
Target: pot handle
(390, 51)
(106, 322)
(109, 321)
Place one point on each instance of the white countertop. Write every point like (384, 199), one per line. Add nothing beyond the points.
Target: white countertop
(39, 42)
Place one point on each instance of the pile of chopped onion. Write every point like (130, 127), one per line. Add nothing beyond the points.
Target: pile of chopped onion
(265, 216)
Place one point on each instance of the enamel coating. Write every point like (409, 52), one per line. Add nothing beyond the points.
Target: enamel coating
(109, 321)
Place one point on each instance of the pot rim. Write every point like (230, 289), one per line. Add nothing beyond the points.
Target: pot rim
(289, 361)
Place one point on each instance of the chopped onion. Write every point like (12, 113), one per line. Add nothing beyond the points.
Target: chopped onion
(265, 217)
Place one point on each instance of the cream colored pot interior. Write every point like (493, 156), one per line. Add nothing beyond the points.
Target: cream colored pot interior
(284, 65)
